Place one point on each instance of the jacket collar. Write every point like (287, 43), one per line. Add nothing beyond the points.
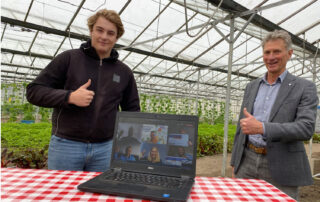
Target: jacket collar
(91, 52)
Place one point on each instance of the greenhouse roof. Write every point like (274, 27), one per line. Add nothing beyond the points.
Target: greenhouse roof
(174, 47)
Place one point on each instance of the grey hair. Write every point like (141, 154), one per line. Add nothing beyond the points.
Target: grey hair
(278, 34)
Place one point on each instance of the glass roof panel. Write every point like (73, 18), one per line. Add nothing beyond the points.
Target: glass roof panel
(52, 13)
(15, 8)
(158, 43)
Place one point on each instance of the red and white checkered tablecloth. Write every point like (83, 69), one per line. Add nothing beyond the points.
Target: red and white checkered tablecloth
(50, 185)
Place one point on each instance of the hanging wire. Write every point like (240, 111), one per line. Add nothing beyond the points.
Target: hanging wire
(67, 2)
(68, 30)
(186, 18)
(158, 18)
(315, 56)
(304, 51)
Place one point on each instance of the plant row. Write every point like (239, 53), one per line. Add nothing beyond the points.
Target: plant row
(208, 111)
(26, 145)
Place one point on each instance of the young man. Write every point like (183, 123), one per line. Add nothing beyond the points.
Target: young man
(278, 113)
(85, 87)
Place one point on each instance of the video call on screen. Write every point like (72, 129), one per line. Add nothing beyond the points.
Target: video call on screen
(166, 143)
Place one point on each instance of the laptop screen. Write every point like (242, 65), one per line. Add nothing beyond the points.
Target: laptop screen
(155, 142)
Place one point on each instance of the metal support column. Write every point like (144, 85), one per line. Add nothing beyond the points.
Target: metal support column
(227, 103)
(314, 76)
(198, 82)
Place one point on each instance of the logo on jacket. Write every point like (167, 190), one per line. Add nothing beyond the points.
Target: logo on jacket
(116, 78)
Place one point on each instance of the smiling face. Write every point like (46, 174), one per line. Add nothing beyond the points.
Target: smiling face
(275, 56)
(103, 37)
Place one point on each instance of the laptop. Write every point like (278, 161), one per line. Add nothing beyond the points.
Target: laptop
(153, 157)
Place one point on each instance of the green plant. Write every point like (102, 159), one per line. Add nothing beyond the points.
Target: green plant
(16, 135)
(28, 116)
(316, 138)
(6, 157)
(210, 138)
(45, 113)
(25, 145)
(31, 158)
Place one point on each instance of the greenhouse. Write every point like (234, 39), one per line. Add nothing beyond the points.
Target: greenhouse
(188, 57)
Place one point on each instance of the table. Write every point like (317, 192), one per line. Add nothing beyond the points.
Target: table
(50, 185)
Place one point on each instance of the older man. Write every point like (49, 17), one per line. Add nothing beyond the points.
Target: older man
(278, 113)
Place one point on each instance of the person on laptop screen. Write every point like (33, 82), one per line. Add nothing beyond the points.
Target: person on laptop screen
(187, 158)
(128, 156)
(154, 156)
(86, 87)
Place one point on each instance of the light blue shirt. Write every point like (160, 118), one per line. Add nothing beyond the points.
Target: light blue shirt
(263, 103)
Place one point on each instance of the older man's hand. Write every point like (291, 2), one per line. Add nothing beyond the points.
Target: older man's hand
(250, 125)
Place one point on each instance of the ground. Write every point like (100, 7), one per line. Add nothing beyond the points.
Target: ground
(211, 166)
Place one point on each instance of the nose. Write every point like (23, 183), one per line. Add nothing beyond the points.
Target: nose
(104, 36)
(270, 56)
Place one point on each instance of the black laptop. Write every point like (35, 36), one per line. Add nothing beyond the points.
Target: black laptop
(153, 157)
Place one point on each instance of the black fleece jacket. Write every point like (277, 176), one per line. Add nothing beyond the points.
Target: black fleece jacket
(111, 80)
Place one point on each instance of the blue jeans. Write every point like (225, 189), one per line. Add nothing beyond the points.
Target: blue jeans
(66, 154)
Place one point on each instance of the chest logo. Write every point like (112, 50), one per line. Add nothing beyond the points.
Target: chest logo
(116, 78)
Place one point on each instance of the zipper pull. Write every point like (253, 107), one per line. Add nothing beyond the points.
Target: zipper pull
(100, 62)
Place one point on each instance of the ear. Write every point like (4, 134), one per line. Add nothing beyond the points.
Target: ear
(290, 53)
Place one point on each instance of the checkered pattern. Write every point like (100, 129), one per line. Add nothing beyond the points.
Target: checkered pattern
(50, 185)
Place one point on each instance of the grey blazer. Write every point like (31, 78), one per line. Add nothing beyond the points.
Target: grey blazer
(292, 121)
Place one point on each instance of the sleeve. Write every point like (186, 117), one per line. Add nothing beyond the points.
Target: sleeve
(47, 90)
(302, 128)
(130, 100)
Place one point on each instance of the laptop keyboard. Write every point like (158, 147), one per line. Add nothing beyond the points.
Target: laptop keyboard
(145, 179)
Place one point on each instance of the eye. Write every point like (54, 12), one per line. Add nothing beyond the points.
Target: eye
(111, 33)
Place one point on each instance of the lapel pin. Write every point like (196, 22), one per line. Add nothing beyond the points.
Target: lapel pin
(289, 84)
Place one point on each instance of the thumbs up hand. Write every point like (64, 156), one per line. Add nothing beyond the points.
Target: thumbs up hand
(250, 125)
(82, 97)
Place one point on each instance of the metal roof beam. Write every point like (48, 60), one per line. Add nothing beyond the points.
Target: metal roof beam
(135, 72)
(21, 66)
(85, 37)
(232, 6)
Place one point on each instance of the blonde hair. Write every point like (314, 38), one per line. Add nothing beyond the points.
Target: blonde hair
(157, 156)
(110, 15)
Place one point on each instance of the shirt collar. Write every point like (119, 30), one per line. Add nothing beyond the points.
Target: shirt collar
(280, 78)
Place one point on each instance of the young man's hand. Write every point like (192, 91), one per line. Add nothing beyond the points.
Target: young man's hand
(82, 97)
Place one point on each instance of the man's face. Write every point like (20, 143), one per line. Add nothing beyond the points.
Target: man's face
(103, 36)
(275, 56)
(181, 151)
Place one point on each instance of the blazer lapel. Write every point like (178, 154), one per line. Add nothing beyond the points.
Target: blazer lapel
(252, 95)
(285, 88)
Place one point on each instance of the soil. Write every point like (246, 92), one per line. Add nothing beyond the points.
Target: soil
(211, 166)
